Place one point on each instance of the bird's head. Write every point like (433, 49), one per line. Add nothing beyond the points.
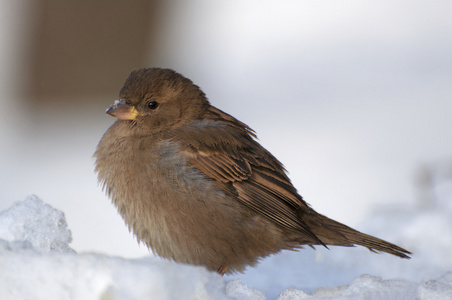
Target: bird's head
(159, 98)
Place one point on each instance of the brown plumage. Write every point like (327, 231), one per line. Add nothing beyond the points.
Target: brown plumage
(196, 187)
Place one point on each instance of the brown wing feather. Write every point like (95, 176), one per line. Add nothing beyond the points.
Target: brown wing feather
(224, 149)
(245, 170)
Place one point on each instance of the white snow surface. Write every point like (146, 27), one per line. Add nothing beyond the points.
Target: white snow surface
(37, 262)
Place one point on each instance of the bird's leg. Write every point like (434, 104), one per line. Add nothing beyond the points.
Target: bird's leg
(222, 270)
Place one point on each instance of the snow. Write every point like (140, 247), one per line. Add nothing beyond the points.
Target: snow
(37, 262)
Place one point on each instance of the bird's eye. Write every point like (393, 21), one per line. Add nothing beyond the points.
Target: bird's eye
(153, 104)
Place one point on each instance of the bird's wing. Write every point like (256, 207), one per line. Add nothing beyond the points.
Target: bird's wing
(228, 154)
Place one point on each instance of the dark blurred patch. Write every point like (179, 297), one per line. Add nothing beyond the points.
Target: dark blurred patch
(84, 48)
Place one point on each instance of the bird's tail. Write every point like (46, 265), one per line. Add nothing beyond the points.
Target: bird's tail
(331, 232)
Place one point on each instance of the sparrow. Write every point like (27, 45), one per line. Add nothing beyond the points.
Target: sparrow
(194, 184)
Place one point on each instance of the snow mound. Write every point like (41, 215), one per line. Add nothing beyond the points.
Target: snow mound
(374, 288)
(25, 275)
(36, 262)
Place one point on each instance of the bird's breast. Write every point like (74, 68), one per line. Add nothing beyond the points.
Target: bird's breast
(161, 197)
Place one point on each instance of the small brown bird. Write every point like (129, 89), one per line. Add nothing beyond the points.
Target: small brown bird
(196, 187)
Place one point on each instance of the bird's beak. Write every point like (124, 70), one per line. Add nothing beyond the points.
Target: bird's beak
(123, 111)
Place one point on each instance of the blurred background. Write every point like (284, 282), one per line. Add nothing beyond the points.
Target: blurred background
(354, 97)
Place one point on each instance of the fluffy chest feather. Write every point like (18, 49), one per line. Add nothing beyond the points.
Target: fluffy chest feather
(160, 196)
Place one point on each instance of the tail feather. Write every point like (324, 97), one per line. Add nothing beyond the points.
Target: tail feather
(334, 233)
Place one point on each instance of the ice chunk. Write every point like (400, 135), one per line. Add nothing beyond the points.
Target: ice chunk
(440, 288)
(237, 290)
(293, 294)
(37, 223)
(373, 287)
